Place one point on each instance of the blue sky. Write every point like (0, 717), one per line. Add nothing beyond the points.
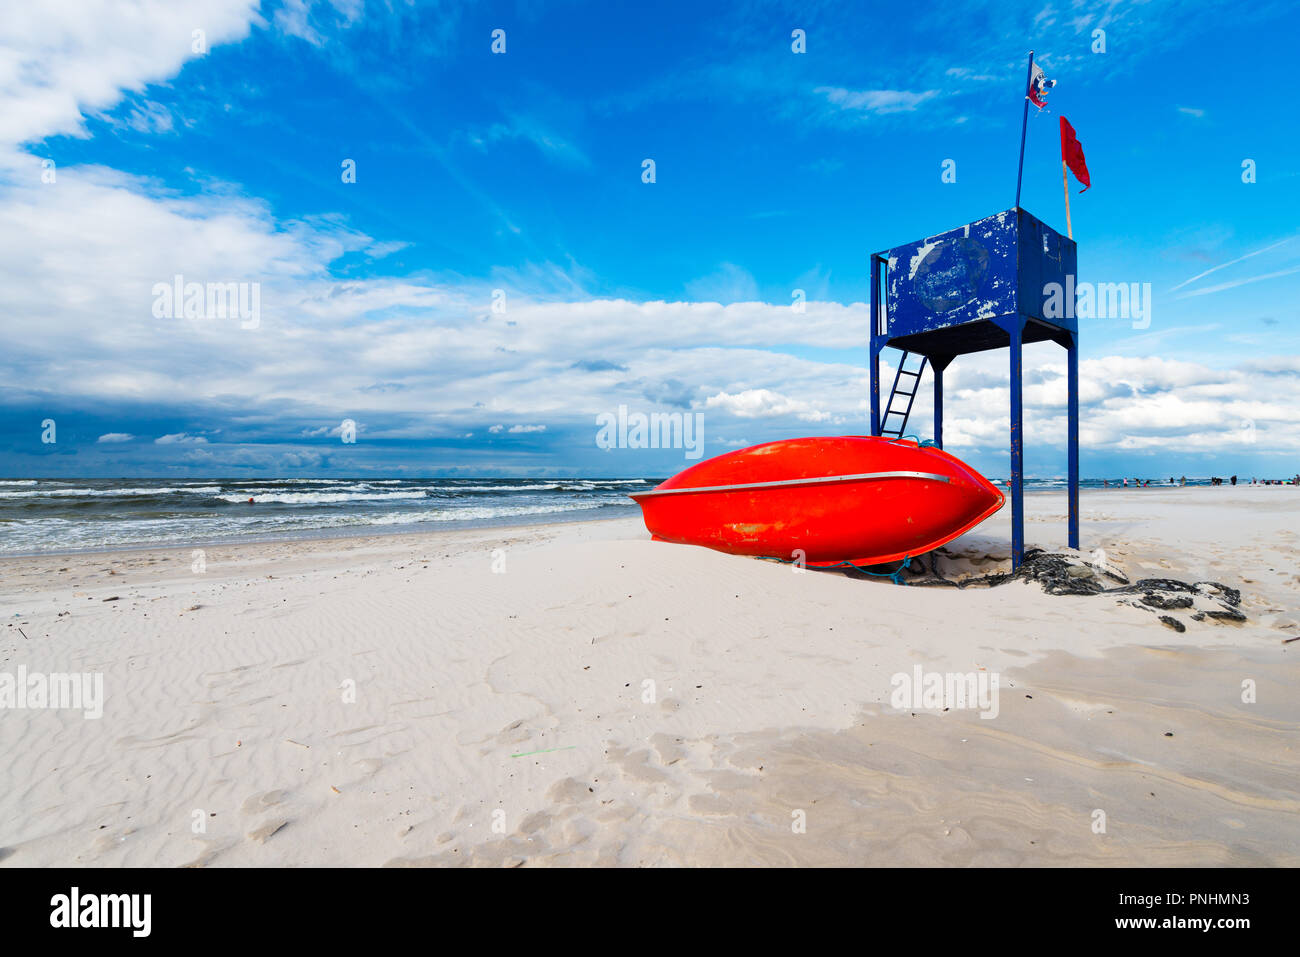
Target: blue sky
(522, 172)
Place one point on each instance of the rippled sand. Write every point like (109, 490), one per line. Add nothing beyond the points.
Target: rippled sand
(577, 694)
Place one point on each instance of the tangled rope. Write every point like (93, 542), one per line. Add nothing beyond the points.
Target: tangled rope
(896, 576)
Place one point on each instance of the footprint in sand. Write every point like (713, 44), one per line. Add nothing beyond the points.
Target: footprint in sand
(710, 804)
(569, 791)
(636, 765)
(513, 733)
(210, 850)
(260, 802)
(263, 833)
(108, 840)
(667, 748)
(349, 731)
(534, 822)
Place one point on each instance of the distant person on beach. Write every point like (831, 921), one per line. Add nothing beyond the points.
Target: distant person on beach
(1233, 480)
(1184, 481)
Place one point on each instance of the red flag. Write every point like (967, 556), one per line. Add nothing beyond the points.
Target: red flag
(1072, 154)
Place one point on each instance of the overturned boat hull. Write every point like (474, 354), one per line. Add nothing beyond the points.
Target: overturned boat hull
(865, 500)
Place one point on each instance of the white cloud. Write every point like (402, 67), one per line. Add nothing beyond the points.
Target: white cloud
(530, 130)
(1232, 262)
(444, 363)
(150, 117)
(110, 437)
(729, 283)
(329, 430)
(380, 250)
(180, 438)
(1234, 283)
(293, 18)
(876, 101)
(764, 404)
(61, 61)
(527, 428)
(1126, 403)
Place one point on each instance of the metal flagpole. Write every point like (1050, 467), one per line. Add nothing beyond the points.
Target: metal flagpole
(1024, 124)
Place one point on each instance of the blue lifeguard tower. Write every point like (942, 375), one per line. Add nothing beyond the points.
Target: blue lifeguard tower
(982, 286)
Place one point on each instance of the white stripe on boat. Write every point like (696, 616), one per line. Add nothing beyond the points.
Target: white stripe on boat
(820, 480)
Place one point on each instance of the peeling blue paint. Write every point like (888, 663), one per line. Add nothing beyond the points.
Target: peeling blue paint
(995, 267)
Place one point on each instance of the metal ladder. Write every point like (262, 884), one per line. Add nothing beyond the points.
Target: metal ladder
(911, 384)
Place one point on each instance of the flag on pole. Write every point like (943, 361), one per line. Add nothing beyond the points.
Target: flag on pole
(1024, 125)
(1072, 154)
(1039, 84)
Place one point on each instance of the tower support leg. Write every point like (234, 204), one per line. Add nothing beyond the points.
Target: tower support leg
(938, 405)
(937, 365)
(877, 342)
(875, 390)
(1072, 427)
(1017, 446)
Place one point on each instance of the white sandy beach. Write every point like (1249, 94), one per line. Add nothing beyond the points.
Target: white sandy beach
(504, 717)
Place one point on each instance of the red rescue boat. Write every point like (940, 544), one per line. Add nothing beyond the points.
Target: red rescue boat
(860, 499)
